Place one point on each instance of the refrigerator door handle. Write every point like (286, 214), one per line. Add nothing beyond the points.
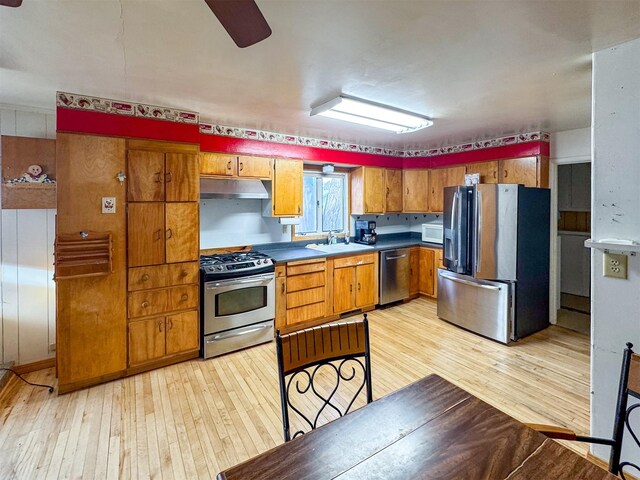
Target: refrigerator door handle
(458, 230)
(467, 282)
(478, 230)
(456, 239)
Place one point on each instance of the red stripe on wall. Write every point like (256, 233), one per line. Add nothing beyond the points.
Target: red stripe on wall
(219, 143)
(80, 121)
(516, 150)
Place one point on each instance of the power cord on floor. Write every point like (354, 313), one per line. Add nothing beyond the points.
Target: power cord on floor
(27, 381)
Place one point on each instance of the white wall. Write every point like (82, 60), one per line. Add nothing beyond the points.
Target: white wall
(571, 146)
(615, 317)
(233, 222)
(27, 326)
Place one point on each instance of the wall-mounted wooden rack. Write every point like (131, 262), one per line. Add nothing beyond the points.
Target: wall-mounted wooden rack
(85, 254)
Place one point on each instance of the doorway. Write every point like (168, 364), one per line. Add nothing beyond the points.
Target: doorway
(574, 226)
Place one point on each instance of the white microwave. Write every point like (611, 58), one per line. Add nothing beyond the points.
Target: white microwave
(432, 232)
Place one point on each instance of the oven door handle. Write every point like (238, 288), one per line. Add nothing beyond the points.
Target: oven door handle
(237, 333)
(255, 281)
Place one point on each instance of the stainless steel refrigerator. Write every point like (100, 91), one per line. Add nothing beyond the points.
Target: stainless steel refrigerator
(496, 257)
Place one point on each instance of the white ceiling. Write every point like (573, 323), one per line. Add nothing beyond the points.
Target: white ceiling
(479, 68)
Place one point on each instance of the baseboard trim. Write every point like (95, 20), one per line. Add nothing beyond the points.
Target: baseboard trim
(35, 366)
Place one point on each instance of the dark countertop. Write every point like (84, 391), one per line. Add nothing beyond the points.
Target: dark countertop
(293, 251)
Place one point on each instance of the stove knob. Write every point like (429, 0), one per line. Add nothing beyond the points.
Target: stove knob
(219, 267)
(258, 262)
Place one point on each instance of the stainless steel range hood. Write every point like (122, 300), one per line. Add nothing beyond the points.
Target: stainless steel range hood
(232, 188)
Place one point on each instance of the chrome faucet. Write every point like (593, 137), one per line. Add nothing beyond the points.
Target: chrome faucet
(331, 237)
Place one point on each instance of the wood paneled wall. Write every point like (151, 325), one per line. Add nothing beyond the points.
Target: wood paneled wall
(27, 323)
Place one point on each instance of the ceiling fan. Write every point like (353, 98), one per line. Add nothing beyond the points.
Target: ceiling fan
(242, 19)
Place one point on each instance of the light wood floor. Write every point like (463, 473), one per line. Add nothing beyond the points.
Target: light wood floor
(194, 419)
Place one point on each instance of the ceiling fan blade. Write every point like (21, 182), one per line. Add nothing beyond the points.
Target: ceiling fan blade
(10, 3)
(242, 19)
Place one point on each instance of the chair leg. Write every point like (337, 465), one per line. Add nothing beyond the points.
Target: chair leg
(621, 410)
(283, 389)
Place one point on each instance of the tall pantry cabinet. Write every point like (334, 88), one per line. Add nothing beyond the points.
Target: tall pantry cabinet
(141, 310)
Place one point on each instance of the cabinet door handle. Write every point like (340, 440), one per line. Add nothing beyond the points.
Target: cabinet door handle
(183, 274)
(407, 191)
(184, 297)
(229, 165)
(359, 286)
(168, 176)
(169, 233)
(506, 173)
(495, 174)
(145, 277)
(298, 209)
(145, 304)
(351, 287)
(387, 191)
(158, 234)
(160, 322)
(241, 166)
(158, 176)
(170, 326)
(283, 287)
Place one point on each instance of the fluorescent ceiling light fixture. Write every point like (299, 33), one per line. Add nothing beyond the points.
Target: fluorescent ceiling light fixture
(371, 114)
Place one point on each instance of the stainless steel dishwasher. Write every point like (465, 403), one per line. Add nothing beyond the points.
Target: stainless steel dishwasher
(394, 275)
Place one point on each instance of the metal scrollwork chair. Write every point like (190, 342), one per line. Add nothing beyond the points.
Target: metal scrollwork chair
(629, 386)
(340, 352)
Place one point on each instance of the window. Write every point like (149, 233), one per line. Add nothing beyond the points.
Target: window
(324, 204)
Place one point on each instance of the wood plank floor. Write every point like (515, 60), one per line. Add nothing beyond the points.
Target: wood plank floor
(194, 419)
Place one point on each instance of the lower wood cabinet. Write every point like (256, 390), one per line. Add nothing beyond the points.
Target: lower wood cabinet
(154, 338)
(354, 282)
(414, 271)
(430, 259)
(305, 290)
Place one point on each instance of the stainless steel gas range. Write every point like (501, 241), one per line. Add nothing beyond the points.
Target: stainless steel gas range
(237, 301)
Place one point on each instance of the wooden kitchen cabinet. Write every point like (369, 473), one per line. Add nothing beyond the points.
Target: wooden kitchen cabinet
(427, 259)
(414, 271)
(157, 176)
(219, 165)
(286, 193)
(145, 176)
(365, 285)
(305, 290)
(393, 186)
(182, 228)
(146, 239)
(437, 182)
(255, 167)
(146, 340)
(281, 297)
(528, 171)
(455, 176)
(367, 190)
(355, 282)
(415, 188)
(182, 179)
(488, 170)
(182, 332)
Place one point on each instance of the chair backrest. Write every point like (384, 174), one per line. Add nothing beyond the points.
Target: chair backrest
(629, 385)
(341, 348)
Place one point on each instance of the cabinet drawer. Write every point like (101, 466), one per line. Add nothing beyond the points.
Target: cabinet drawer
(303, 282)
(305, 297)
(281, 271)
(143, 278)
(354, 260)
(182, 298)
(146, 303)
(306, 268)
(308, 312)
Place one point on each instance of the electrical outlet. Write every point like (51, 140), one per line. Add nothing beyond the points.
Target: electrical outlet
(615, 265)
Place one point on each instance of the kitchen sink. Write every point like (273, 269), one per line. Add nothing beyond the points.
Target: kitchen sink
(340, 247)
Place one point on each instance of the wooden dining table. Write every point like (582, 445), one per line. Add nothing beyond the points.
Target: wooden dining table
(428, 429)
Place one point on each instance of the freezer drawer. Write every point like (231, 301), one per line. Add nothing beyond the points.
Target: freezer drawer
(237, 338)
(481, 306)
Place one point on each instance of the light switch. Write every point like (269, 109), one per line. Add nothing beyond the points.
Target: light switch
(615, 265)
(108, 204)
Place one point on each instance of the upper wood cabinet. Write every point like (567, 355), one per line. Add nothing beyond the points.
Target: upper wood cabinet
(156, 176)
(528, 171)
(286, 188)
(218, 164)
(146, 234)
(182, 227)
(255, 167)
(367, 190)
(243, 166)
(437, 182)
(439, 178)
(488, 170)
(393, 186)
(415, 190)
